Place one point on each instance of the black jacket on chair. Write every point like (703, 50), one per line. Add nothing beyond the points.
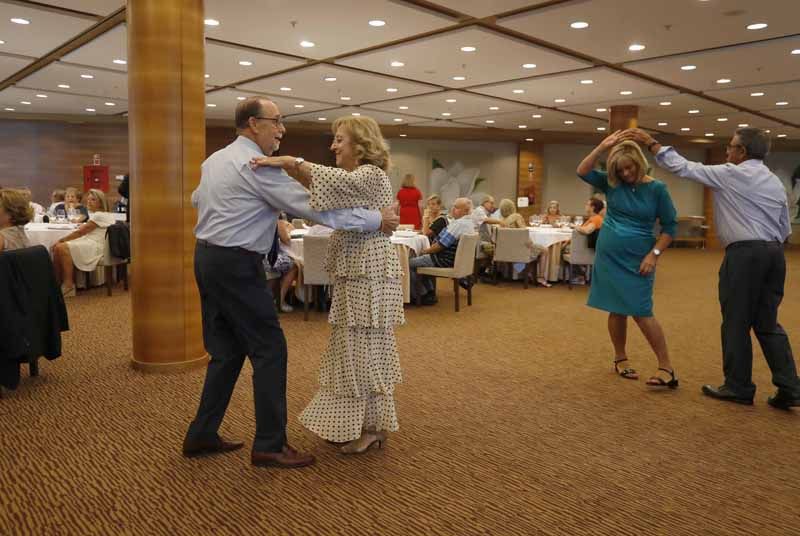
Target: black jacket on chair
(32, 311)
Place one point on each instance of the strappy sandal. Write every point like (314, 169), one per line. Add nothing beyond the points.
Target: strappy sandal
(628, 372)
(657, 381)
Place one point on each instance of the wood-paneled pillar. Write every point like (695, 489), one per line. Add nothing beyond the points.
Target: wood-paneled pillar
(714, 155)
(623, 117)
(530, 164)
(166, 125)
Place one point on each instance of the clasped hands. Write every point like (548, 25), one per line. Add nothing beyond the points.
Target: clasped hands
(633, 134)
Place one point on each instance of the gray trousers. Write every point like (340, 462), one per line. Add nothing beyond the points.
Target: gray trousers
(420, 284)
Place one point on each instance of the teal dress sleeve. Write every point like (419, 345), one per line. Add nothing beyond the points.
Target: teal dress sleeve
(597, 178)
(667, 214)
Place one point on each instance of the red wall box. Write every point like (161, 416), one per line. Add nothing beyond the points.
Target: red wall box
(95, 177)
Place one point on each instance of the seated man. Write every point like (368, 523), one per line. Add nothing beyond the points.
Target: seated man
(442, 252)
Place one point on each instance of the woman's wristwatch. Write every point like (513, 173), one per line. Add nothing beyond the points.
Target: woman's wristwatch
(656, 252)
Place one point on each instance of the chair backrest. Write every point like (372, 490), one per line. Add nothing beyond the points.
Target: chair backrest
(579, 250)
(512, 245)
(315, 249)
(464, 264)
(297, 223)
(405, 227)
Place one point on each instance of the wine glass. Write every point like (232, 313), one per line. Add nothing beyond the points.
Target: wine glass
(61, 215)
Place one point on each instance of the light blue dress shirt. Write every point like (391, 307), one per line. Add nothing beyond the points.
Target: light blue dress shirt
(239, 207)
(750, 202)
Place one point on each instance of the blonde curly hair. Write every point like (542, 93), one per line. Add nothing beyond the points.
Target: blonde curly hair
(368, 143)
(630, 150)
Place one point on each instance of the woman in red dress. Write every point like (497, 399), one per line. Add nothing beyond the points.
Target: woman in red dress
(410, 199)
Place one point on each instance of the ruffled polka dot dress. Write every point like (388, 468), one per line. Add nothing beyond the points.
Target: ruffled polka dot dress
(361, 366)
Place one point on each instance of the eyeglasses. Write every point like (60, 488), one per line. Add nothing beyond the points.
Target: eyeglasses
(732, 146)
(278, 120)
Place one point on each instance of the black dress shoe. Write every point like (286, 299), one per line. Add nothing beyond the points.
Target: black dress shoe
(781, 400)
(724, 393)
(429, 299)
(200, 448)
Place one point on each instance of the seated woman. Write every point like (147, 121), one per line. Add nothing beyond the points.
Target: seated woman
(512, 219)
(553, 213)
(284, 264)
(15, 212)
(84, 247)
(434, 219)
(71, 202)
(56, 198)
(594, 220)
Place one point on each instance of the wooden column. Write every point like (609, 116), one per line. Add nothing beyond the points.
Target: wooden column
(167, 145)
(714, 155)
(622, 117)
(530, 153)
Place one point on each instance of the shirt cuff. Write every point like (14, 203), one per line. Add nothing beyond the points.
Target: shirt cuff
(372, 220)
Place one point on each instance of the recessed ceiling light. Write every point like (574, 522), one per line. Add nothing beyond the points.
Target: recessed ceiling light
(685, 129)
(626, 92)
(322, 118)
(211, 105)
(245, 63)
(120, 62)
(391, 90)
(494, 108)
(768, 131)
(528, 139)
(587, 82)
(709, 134)
(299, 105)
(446, 114)
(284, 88)
(241, 98)
(757, 26)
(569, 122)
(397, 120)
(781, 135)
(307, 44)
(403, 107)
(579, 25)
(330, 79)
(397, 64)
(356, 114)
(694, 111)
(63, 86)
(207, 76)
(533, 65)
(779, 103)
(665, 103)
(2, 42)
(724, 81)
(490, 121)
(87, 76)
(90, 110)
(601, 128)
(743, 125)
(601, 109)
(16, 20)
(688, 67)
(757, 94)
(522, 126)
(518, 91)
(24, 102)
(377, 23)
(344, 98)
(560, 100)
(403, 135)
(450, 100)
(468, 49)
(663, 124)
(110, 103)
(41, 96)
(459, 78)
(722, 119)
(636, 47)
(796, 51)
(537, 116)
(10, 109)
(211, 22)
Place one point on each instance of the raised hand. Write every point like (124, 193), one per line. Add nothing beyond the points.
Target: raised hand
(638, 135)
(611, 140)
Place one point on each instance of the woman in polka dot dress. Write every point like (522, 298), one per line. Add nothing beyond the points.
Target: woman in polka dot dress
(359, 369)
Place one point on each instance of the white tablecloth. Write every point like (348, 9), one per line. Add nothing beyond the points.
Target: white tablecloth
(547, 236)
(47, 234)
(415, 243)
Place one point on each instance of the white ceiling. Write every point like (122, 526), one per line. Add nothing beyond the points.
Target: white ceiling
(710, 35)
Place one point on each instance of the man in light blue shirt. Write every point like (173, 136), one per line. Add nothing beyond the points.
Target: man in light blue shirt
(238, 209)
(751, 212)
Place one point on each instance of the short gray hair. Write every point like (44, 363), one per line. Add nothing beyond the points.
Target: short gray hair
(755, 142)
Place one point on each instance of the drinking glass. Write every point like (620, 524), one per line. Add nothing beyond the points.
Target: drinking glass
(61, 215)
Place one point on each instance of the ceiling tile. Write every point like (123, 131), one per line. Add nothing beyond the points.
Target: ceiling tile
(334, 27)
(104, 84)
(605, 87)
(437, 59)
(102, 51)
(46, 31)
(361, 87)
(58, 103)
(711, 124)
(482, 8)
(773, 93)
(383, 118)
(663, 27)
(10, 65)
(434, 105)
(96, 7)
(549, 120)
(792, 115)
(443, 124)
(652, 111)
(224, 104)
(223, 68)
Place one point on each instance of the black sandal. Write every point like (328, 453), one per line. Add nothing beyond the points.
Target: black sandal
(628, 372)
(657, 381)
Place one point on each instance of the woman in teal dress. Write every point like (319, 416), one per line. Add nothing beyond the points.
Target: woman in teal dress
(627, 250)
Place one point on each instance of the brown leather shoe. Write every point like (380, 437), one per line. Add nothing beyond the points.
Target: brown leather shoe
(288, 458)
(200, 448)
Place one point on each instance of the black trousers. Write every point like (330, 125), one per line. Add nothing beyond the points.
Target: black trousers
(751, 281)
(239, 319)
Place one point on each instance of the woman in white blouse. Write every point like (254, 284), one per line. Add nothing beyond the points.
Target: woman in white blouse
(84, 247)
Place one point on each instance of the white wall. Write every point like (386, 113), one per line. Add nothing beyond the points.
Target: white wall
(496, 160)
(562, 184)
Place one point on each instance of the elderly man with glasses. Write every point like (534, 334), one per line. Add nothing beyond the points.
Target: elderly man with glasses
(752, 218)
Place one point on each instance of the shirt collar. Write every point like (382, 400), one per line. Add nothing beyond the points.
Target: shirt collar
(249, 143)
(752, 162)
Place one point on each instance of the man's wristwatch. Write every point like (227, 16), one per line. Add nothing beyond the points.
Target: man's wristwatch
(298, 162)
(656, 252)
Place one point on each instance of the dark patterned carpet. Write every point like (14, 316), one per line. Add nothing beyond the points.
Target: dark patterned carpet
(512, 423)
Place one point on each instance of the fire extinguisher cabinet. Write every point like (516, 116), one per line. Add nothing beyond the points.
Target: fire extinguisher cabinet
(95, 177)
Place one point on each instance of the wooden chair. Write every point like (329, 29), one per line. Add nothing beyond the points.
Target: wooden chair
(109, 264)
(314, 274)
(464, 266)
(580, 254)
(514, 246)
